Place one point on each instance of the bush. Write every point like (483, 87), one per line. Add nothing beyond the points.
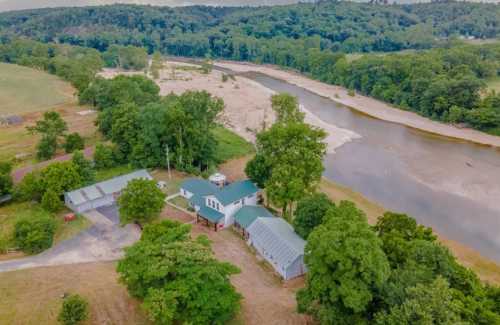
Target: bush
(33, 235)
(351, 93)
(51, 201)
(30, 188)
(46, 148)
(74, 310)
(103, 157)
(73, 142)
(5, 178)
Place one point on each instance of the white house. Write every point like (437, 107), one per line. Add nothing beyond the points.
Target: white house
(218, 205)
(100, 194)
(277, 242)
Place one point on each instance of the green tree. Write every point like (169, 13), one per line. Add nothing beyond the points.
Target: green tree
(156, 65)
(51, 201)
(103, 156)
(6, 183)
(426, 304)
(83, 167)
(125, 127)
(397, 231)
(75, 310)
(34, 234)
(286, 108)
(346, 267)
(141, 201)
(188, 285)
(50, 127)
(310, 213)
(73, 142)
(30, 188)
(282, 148)
(60, 177)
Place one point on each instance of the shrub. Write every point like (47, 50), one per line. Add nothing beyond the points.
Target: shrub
(30, 188)
(224, 77)
(73, 142)
(46, 148)
(351, 93)
(5, 178)
(74, 310)
(51, 201)
(33, 235)
(103, 157)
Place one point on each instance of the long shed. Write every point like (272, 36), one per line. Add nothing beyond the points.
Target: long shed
(100, 194)
(277, 242)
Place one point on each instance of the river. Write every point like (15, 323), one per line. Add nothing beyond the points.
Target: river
(452, 186)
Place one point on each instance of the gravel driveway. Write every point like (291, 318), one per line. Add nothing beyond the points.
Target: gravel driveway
(103, 241)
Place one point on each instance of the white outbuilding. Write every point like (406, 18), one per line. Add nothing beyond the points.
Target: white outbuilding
(277, 242)
(100, 194)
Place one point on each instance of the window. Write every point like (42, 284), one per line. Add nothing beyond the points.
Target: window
(218, 207)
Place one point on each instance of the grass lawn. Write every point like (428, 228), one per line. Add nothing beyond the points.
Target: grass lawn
(33, 296)
(25, 90)
(10, 214)
(180, 202)
(104, 174)
(231, 145)
(173, 183)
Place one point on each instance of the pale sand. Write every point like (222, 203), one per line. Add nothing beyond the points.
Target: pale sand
(247, 103)
(367, 105)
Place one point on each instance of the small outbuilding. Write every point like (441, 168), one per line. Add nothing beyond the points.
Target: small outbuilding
(277, 242)
(101, 194)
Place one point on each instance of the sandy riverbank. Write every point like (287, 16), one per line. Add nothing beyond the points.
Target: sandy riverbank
(367, 105)
(247, 103)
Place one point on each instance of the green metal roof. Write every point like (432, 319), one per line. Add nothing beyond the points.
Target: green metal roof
(210, 214)
(226, 195)
(235, 191)
(199, 186)
(247, 215)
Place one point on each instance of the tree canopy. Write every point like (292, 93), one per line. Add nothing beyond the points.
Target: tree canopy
(178, 278)
(141, 201)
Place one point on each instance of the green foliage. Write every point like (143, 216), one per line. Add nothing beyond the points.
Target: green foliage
(178, 278)
(51, 201)
(126, 57)
(280, 165)
(35, 234)
(397, 231)
(50, 128)
(73, 142)
(310, 213)
(426, 304)
(6, 183)
(346, 267)
(30, 188)
(75, 309)
(107, 93)
(141, 201)
(83, 167)
(156, 65)
(286, 108)
(103, 156)
(230, 145)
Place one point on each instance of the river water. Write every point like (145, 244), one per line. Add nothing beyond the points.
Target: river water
(452, 186)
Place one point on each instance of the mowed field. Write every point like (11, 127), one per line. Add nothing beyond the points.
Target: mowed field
(28, 93)
(34, 296)
(25, 90)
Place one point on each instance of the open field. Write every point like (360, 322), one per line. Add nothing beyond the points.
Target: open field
(24, 90)
(33, 296)
(11, 213)
(16, 140)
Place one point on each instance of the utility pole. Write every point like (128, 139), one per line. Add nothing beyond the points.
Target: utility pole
(168, 162)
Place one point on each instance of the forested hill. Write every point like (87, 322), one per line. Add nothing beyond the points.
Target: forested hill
(239, 33)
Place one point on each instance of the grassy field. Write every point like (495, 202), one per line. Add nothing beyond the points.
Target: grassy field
(11, 213)
(25, 90)
(494, 84)
(33, 296)
(231, 145)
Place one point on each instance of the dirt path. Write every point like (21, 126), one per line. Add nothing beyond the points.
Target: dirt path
(267, 300)
(103, 241)
(19, 173)
(366, 105)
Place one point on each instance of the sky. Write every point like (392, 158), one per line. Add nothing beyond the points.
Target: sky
(6, 5)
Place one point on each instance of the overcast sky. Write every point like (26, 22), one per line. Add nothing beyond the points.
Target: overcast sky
(28, 4)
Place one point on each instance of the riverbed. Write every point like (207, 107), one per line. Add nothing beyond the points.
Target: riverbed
(451, 185)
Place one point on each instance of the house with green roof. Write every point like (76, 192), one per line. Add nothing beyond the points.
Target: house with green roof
(218, 205)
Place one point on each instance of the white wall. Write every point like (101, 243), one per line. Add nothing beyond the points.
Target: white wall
(186, 194)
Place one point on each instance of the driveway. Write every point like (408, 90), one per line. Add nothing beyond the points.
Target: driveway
(103, 241)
